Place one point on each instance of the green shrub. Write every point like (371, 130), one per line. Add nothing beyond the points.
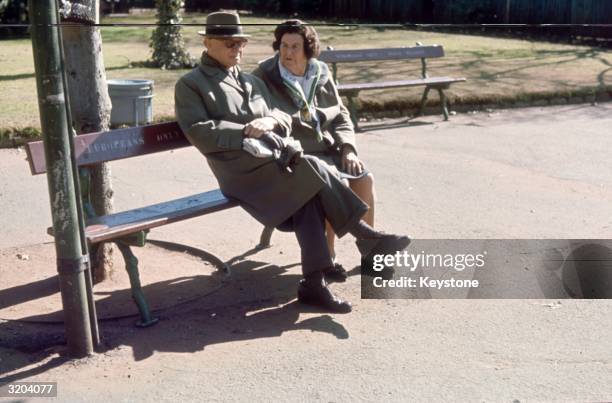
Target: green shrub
(167, 42)
(12, 137)
(13, 12)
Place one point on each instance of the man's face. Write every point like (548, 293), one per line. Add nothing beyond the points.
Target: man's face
(226, 51)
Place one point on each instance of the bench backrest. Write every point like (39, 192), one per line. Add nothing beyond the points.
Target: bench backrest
(361, 55)
(94, 148)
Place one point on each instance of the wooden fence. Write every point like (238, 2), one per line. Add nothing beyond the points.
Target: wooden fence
(440, 11)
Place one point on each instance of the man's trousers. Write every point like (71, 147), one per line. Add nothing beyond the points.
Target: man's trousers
(308, 222)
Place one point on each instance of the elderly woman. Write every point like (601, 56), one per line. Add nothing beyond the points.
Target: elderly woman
(303, 87)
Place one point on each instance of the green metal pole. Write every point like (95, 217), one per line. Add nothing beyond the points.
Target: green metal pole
(71, 264)
(93, 317)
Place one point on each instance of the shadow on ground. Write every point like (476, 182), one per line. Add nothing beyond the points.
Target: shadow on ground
(259, 302)
(404, 123)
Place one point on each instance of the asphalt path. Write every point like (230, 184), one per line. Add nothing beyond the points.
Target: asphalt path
(530, 173)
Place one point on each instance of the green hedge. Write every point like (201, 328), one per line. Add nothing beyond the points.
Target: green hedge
(13, 137)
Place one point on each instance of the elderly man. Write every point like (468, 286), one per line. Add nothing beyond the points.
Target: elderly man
(219, 107)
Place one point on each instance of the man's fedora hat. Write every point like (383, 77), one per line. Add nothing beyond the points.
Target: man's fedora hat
(223, 24)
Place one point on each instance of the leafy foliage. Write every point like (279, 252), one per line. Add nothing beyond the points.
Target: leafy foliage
(169, 51)
(13, 12)
(13, 137)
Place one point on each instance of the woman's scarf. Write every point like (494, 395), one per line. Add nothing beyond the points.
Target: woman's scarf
(302, 91)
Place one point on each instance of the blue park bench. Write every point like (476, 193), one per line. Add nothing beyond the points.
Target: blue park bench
(352, 90)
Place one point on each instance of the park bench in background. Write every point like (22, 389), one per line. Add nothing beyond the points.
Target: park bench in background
(351, 90)
(129, 228)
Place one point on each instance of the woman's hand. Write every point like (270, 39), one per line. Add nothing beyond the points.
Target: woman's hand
(255, 128)
(351, 164)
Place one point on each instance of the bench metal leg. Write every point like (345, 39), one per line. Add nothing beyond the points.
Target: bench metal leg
(423, 101)
(264, 239)
(443, 102)
(352, 107)
(131, 266)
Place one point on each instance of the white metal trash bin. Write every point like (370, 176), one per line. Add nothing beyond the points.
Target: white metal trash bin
(132, 101)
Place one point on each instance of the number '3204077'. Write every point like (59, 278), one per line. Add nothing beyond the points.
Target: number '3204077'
(29, 389)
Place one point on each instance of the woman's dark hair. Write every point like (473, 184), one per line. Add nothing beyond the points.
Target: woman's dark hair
(311, 39)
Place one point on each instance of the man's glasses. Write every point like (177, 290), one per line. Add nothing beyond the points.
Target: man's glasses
(229, 44)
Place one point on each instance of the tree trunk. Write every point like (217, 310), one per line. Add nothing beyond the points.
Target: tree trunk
(90, 106)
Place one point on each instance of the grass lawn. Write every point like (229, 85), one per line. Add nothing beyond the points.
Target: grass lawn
(496, 68)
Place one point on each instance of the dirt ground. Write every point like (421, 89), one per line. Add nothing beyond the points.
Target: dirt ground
(523, 173)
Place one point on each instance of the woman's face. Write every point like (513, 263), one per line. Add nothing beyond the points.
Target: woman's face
(292, 55)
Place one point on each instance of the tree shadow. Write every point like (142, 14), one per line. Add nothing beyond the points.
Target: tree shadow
(542, 57)
(602, 74)
(405, 123)
(28, 292)
(10, 77)
(477, 64)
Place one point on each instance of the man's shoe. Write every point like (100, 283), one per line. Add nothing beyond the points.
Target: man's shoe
(385, 245)
(320, 295)
(336, 273)
(388, 244)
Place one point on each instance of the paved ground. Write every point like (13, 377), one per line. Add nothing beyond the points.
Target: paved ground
(530, 173)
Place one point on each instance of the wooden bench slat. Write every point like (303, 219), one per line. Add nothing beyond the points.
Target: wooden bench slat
(127, 222)
(94, 148)
(401, 83)
(360, 55)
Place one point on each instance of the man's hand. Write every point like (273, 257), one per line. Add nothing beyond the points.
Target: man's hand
(273, 140)
(256, 128)
(351, 164)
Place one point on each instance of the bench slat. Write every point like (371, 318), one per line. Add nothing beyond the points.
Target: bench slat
(94, 148)
(127, 222)
(360, 55)
(343, 88)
